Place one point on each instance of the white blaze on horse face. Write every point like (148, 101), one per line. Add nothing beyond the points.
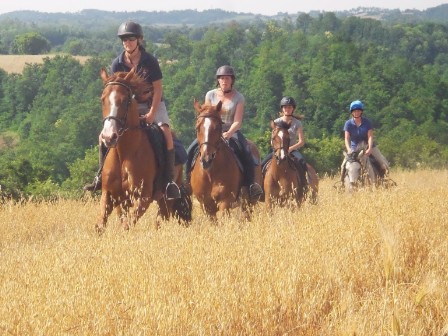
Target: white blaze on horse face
(207, 125)
(353, 171)
(281, 135)
(110, 125)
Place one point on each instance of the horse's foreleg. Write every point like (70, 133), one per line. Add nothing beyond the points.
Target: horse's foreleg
(142, 204)
(165, 208)
(223, 208)
(106, 207)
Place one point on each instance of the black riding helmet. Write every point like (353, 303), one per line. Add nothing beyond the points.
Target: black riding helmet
(287, 101)
(130, 28)
(225, 70)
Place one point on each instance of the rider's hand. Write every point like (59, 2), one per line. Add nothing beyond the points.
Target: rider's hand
(146, 118)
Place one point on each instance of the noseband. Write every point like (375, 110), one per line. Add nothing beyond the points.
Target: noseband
(121, 121)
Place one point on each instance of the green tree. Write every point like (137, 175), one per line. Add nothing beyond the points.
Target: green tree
(31, 43)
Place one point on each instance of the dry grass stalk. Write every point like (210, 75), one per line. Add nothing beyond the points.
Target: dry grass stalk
(320, 270)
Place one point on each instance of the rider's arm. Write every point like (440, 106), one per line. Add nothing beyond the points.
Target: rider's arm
(347, 142)
(300, 140)
(369, 140)
(157, 97)
(237, 121)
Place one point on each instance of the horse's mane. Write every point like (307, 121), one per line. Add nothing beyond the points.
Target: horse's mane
(209, 110)
(138, 85)
(282, 124)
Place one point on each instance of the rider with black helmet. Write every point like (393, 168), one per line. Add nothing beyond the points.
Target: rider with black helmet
(296, 135)
(152, 111)
(232, 117)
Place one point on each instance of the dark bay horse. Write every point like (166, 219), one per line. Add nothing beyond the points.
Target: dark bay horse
(131, 175)
(216, 177)
(281, 180)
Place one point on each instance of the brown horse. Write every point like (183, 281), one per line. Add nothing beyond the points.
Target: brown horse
(216, 178)
(131, 176)
(282, 182)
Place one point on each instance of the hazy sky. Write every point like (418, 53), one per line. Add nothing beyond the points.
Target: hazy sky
(265, 7)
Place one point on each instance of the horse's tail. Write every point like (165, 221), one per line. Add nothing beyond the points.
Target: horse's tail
(183, 206)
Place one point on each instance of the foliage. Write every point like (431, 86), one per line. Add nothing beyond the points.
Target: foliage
(30, 43)
(50, 115)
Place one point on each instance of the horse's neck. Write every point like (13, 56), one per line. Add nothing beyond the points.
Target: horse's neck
(280, 167)
(131, 140)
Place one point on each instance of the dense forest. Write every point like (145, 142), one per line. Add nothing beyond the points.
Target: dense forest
(50, 115)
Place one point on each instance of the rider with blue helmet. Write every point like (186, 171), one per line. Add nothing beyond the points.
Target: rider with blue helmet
(357, 130)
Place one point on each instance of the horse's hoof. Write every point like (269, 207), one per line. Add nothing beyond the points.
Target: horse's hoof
(255, 192)
(100, 229)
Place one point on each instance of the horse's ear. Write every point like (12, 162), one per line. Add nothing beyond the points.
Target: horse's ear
(218, 106)
(103, 74)
(196, 105)
(272, 123)
(130, 74)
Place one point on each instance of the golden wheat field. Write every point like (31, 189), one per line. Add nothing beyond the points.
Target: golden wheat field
(370, 263)
(16, 63)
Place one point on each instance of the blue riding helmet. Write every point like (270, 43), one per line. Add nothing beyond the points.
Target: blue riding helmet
(356, 105)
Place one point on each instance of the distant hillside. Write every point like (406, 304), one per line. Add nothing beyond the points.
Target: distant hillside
(95, 18)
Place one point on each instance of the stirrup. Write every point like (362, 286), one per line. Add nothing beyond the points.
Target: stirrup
(94, 186)
(172, 191)
(255, 191)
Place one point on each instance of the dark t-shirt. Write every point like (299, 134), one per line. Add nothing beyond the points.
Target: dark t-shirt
(359, 133)
(148, 67)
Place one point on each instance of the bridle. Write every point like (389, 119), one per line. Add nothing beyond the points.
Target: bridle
(121, 121)
(279, 148)
(216, 145)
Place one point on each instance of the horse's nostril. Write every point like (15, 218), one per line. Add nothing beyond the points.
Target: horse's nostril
(114, 137)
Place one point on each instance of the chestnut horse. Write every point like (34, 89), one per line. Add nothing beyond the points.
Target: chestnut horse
(130, 175)
(216, 177)
(282, 182)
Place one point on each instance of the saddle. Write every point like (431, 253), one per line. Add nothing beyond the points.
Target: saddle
(233, 144)
(157, 139)
(291, 161)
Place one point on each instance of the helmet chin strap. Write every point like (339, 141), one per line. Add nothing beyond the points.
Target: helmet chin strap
(130, 53)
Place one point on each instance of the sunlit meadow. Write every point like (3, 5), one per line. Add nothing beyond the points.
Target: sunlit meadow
(369, 263)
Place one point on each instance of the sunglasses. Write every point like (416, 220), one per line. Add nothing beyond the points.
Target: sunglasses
(128, 38)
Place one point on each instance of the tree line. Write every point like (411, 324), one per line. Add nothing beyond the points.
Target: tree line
(50, 115)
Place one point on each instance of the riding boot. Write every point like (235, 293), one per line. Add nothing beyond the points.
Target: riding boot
(255, 190)
(190, 157)
(172, 190)
(96, 184)
(303, 175)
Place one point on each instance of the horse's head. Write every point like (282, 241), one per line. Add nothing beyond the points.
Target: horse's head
(357, 163)
(280, 139)
(208, 131)
(119, 103)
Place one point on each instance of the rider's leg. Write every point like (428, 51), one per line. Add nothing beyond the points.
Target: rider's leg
(172, 190)
(343, 168)
(96, 184)
(190, 156)
(302, 165)
(380, 159)
(255, 190)
(267, 159)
